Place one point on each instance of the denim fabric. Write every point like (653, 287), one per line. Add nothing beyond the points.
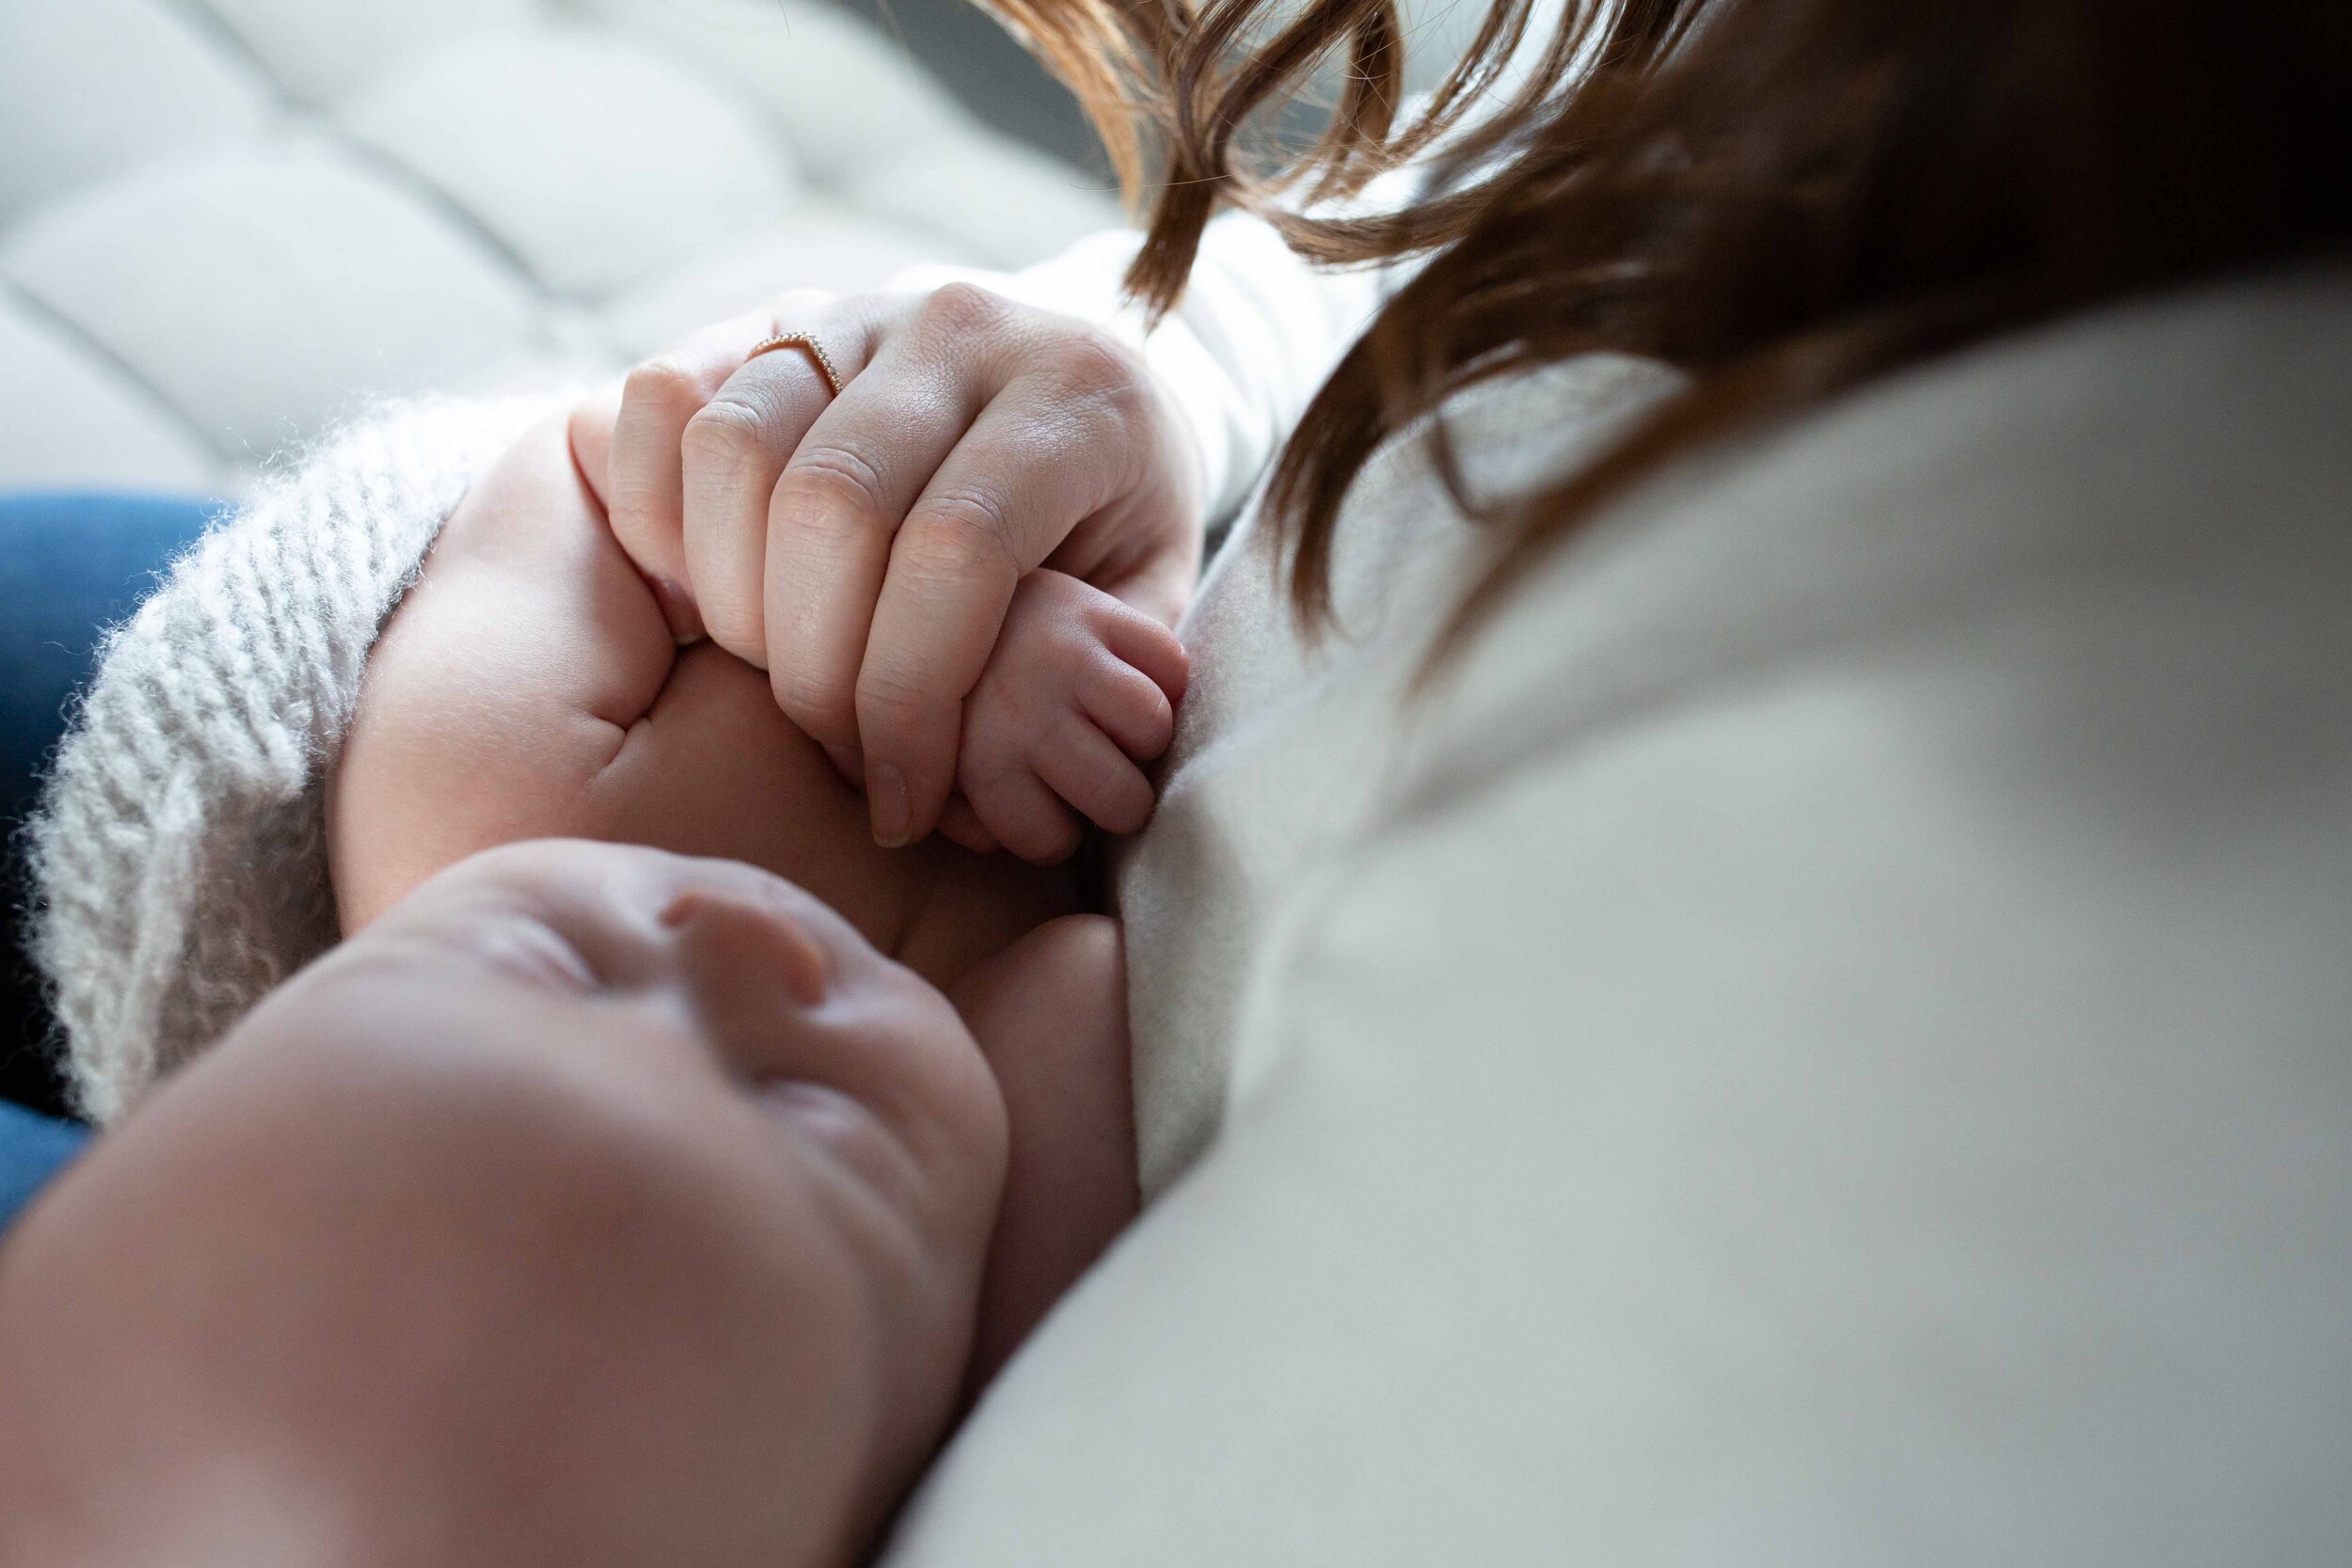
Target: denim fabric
(71, 564)
(32, 1148)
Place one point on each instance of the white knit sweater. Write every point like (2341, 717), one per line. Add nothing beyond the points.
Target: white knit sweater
(179, 856)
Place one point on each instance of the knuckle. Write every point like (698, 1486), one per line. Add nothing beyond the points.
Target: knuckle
(1096, 368)
(1074, 650)
(662, 381)
(1105, 405)
(959, 536)
(960, 309)
(815, 705)
(1108, 613)
(639, 521)
(1067, 594)
(1129, 699)
(723, 432)
(1106, 623)
(736, 625)
(892, 701)
(841, 486)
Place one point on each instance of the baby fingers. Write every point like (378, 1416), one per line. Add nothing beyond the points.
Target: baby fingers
(1145, 645)
(1019, 810)
(1127, 706)
(1082, 765)
(960, 824)
(1080, 690)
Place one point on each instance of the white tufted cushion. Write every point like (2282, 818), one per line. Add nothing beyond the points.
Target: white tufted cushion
(224, 223)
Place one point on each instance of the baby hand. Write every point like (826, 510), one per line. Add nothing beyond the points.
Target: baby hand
(857, 526)
(1079, 692)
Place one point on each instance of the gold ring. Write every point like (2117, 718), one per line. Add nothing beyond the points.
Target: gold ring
(801, 340)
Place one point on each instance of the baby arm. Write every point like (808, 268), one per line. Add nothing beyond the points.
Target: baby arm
(1050, 1013)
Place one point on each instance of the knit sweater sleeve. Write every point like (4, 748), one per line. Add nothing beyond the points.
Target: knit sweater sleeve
(1254, 335)
(178, 857)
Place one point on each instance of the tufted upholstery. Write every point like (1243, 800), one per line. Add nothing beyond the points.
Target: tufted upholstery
(225, 222)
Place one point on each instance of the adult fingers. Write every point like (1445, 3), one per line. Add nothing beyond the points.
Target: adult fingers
(1055, 444)
(645, 468)
(735, 449)
(838, 503)
(591, 429)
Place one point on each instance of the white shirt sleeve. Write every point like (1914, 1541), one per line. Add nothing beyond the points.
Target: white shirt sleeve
(1255, 335)
(1259, 328)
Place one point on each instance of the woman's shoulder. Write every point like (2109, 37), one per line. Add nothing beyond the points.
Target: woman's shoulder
(2195, 445)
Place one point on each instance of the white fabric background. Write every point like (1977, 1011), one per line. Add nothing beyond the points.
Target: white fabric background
(1827, 1044)
(225, 224)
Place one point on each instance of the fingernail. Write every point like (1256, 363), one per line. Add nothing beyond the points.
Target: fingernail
(886, 796)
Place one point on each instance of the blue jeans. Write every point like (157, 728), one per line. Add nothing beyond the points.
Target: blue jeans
(32, 1148)
(71, 564)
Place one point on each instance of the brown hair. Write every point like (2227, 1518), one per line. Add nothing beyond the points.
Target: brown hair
(1783, 197)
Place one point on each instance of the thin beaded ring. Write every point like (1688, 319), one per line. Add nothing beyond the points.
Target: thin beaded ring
(814, 350)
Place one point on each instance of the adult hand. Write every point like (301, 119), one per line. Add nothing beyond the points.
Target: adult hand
(863, 548)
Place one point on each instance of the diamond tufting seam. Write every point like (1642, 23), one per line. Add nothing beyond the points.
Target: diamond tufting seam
(100, 352)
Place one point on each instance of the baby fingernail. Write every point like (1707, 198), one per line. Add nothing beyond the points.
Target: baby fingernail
(886, 796)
